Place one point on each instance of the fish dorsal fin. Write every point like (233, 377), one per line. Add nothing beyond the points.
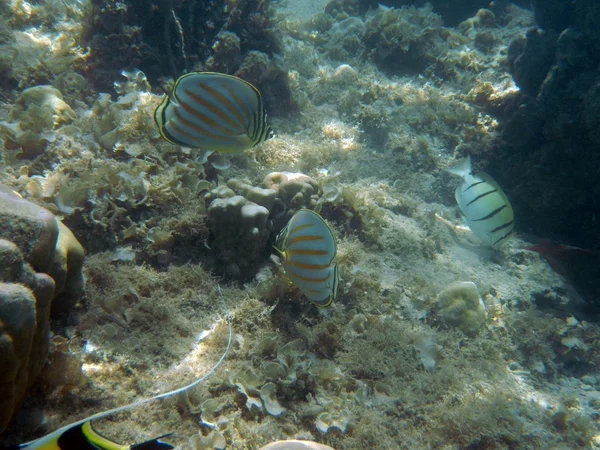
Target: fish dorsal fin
(462, 167)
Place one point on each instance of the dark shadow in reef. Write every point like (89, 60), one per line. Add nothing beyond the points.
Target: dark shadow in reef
(167, 38)
(548, 159)
(580, 268)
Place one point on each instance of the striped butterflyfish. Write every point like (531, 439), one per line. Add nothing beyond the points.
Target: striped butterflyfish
(213, 111)
(486, 208)
(82, 436)
(308, 249)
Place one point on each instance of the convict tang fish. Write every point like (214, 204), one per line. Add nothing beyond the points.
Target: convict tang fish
(486, 208)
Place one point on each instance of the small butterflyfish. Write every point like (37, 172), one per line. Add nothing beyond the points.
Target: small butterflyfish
(308, 249)
(81, 435)
(484, 204)
(213, 111)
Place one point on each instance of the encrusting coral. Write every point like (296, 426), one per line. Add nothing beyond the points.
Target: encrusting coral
(40, 271)
(459, 305)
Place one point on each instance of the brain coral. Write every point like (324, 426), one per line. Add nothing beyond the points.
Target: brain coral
(460, 306)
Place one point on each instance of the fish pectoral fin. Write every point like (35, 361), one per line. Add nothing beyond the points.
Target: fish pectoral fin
(243, 139)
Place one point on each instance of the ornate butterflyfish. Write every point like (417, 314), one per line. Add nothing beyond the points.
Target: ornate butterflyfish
(213, 111)
(308, 249)
(484, 204)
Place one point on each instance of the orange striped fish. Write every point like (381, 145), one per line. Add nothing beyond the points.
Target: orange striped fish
(308, 249)
(213, 111)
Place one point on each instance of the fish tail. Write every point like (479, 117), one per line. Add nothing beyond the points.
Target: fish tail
(462, 167)
(153, 444)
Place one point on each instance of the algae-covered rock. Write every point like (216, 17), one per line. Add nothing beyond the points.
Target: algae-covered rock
(40, 268)
(530, 59)
(38, 111)
(124, 34)
(551, 125)
(46, 244)
(341, 9)
(47, 98)
(240, 230)
(460, 306)
(18, 323)
(404, 40)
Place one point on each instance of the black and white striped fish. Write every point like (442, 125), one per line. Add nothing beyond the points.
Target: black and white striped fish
(308, 249)
(486, 208)
(213, 111)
